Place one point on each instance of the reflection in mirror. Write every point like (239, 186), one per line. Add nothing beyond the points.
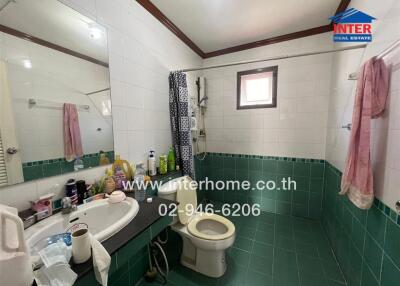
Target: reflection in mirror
(55, 104)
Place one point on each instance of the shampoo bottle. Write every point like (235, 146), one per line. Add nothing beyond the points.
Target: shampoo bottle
(171, 160)
(152, 164)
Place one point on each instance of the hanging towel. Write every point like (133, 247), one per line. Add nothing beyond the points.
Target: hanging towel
(101, 261)
(72, 133)
(370, 102)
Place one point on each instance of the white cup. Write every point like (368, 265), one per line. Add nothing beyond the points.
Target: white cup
(81, 248)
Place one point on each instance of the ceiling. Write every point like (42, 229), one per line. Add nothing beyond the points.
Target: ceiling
(222, 24)
(56, 23)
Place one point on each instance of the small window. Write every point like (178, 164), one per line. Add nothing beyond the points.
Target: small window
(257, 88)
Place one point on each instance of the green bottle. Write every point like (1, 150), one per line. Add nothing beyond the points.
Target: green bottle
(171, 160)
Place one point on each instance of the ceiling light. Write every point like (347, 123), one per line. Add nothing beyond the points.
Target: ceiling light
(95, 31)
(27, 64)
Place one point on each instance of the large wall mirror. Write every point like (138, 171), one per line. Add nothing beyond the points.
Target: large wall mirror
(55, 104)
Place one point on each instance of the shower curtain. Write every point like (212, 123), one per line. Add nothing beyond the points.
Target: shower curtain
(180, 122)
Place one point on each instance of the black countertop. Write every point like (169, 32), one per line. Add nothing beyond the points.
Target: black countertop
(147, 215)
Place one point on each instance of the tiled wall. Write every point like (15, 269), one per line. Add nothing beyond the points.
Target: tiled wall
(40, 130)
(53, 167)
(129, 263)
(386, 130)
(366, 243)
(296, 128)
(306, 201)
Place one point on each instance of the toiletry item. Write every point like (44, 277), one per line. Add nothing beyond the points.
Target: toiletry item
(71, 191)
(81, 249)
(116, 197)
(152, 164)
(81, 190)
(43, 207)
(15, 260)
(109, 183)
(163, 165)
(103, 159)
(28, 217)
(119, 178)
(78, 164)
(122, 165)
(140, 188)
(171, 160)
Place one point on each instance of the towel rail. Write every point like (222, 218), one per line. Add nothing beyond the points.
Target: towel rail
(384, 53)
(50, 104)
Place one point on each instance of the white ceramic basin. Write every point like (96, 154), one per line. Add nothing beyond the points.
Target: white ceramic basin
(103, 218)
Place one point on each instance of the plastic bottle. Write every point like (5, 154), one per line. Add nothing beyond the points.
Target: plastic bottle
(78, 164)
(152, 164)
(171, 160)
(163, 164)
(140, 189)
(122, 165)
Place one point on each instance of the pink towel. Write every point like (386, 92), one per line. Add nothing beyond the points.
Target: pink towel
(370, 102)
(72, 133)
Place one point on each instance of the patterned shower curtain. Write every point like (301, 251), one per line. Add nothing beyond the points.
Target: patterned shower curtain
(180, 122)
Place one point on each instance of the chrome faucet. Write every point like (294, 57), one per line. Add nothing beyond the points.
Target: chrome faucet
(67, 206)
(398, 206)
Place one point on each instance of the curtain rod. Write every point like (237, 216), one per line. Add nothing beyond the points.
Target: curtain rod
(276, 58)
(381, 55)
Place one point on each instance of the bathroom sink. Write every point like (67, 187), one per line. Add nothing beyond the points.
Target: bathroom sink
(103, 219)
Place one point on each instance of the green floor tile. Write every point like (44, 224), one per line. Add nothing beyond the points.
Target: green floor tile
(254, 278)
(261, 264)
(243, 243)
(246, 232)
(307, 279)
(265, 236)
(332, 271)
(239, 257)
(262, 249)
(284, 259)
(309, 265)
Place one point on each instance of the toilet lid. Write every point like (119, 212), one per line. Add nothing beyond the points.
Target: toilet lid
(186, 195)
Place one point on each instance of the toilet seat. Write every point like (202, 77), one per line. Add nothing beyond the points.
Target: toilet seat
(218, 227)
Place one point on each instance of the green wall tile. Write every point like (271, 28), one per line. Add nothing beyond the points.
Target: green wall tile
(32, 173)
(269, 166)
(390, 273)
(392, 242)
(316, 185)
(302, 169)
(284, 168)
(358, 234)
(368, 279)
(255, 164)
(317, 170)
(242, 164)
(159, 225)
(376, 223)
(52, 169)
(373, 255)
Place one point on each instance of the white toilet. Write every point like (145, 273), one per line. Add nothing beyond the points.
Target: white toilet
(205, 236)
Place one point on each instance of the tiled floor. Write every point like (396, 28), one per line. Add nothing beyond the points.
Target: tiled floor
(272, 250)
